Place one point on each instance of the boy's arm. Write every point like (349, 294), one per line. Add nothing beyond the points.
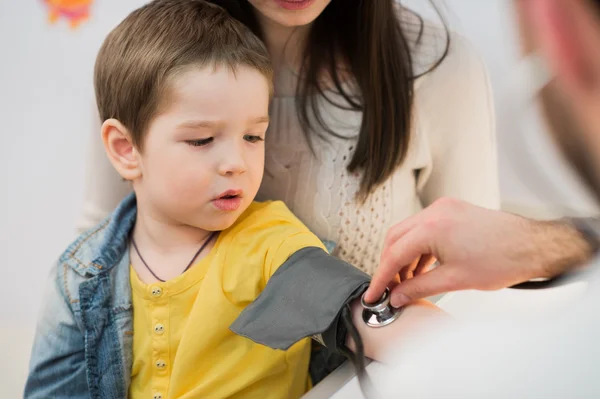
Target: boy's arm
(305, 298)
(377, 340)
(57, 366)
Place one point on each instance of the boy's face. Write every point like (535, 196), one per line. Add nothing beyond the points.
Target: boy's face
(203, 156)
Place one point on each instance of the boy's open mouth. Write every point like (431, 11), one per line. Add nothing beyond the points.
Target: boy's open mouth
(230, 194)
(230, 200)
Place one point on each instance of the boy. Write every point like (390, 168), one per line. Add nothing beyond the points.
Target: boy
(142, 304)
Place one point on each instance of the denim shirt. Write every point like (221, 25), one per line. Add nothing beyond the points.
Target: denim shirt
(84, 337)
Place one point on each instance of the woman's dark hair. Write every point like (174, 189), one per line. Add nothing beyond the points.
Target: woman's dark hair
(367, 37)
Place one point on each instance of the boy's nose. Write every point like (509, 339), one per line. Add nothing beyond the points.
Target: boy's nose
(233, 163)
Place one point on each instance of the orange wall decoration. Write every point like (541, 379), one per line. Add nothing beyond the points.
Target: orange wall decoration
(74, 11)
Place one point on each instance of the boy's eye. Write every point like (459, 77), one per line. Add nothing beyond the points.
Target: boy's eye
(199, 143)
(252, 139)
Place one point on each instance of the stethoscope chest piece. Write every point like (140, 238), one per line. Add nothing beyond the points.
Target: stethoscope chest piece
(380, 313)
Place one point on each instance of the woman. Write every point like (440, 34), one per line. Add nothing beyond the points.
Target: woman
(374, 118)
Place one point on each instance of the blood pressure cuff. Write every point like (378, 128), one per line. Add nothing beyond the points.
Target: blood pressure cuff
(303, 298)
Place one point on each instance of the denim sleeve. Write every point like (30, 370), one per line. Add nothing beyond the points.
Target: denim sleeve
(57, 366)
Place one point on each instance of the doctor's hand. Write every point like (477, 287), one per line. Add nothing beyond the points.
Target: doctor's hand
(476, 248)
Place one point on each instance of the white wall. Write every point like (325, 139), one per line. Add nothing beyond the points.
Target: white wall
(45, 118)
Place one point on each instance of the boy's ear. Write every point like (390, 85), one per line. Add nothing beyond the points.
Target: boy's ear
(120, 149)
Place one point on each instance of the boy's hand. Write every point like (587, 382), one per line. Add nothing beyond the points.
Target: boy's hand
(476, 249)
(377, 340)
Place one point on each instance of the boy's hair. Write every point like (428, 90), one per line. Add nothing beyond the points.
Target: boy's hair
(155, 42)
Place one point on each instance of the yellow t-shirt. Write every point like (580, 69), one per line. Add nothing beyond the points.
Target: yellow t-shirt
(182, 345)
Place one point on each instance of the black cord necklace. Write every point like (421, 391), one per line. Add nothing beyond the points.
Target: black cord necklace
(204, 244)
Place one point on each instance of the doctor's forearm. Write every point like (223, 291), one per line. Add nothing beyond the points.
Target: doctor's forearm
(561, 246)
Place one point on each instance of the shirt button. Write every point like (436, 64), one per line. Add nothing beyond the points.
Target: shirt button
(155, 291)
(159, 329)
(160, 364)
(157, 396)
